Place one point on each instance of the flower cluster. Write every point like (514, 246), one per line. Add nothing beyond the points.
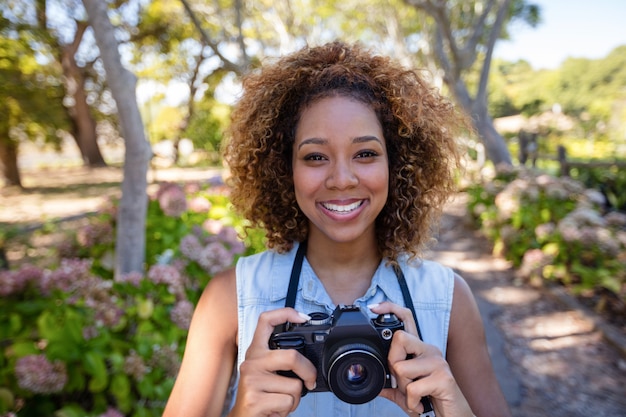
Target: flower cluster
(170, 276)
(172, 199)
(117, 339)
(181, 314)
(135, 366)
(554, 228)
(16, 281)
(37, 374)
(112, 412)
(213, 251)
(67, 277)
(95, 233)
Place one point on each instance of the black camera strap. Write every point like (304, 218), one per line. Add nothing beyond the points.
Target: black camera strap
(295, 278)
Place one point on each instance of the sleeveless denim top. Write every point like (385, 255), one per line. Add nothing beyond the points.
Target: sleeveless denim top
(262, 282)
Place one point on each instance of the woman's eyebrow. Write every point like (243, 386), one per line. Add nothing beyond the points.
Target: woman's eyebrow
(367, 138)
(312, 141)
(320, 141)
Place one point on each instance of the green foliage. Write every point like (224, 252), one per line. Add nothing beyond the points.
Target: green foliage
(554, 229)
(78, 342)
(611, 182)
(206, 127)
(591, 91)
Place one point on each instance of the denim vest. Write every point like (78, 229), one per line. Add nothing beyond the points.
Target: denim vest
(262, 282)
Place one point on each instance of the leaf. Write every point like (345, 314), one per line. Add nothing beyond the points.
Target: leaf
(71, 410)
(96, 367)
(120, 388)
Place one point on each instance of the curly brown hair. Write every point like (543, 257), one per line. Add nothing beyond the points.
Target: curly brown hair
(419, 126)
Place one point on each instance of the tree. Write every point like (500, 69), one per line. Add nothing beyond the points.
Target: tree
(30, 98)
(462, 36)
(130, 240)
(48, 44)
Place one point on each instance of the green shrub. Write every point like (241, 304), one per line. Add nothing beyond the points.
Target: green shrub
(78, 342)
(554, 229)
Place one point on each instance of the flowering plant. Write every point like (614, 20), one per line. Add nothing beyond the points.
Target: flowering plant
(555, 229)
(77, 341)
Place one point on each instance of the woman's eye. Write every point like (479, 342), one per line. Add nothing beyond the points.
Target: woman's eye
(314, 157)
(366, 154)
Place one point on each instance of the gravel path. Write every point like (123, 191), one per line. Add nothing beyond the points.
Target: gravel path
(551, 359)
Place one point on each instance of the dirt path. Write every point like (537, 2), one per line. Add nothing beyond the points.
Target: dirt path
(551, 359)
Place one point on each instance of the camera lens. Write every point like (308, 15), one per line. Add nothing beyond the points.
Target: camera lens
(356, 373)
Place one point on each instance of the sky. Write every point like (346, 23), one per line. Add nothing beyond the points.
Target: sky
(569, 28)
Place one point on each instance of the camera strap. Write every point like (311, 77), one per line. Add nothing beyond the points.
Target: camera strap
(295, 278)
(406, 294)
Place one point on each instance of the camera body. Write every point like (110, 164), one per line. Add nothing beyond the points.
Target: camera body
(348, 350)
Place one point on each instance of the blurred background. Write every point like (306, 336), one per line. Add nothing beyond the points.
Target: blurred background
(541, 208)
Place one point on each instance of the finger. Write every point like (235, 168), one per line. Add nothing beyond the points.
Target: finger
(403, 313)
(268, 320)
(411, 359)
(270, 404)
(292, 360)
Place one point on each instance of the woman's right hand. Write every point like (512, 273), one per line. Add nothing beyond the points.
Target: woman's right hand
(261, 391)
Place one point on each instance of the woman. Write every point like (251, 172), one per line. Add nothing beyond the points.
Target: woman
(347, 158)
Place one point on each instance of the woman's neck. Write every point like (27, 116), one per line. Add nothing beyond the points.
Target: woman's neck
(345, 269)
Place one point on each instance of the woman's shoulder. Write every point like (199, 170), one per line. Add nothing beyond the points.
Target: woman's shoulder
(424, 269)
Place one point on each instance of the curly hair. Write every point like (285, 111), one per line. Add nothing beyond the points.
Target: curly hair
(419, 127)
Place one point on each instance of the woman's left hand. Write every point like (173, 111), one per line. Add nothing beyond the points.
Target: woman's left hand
(420, 370)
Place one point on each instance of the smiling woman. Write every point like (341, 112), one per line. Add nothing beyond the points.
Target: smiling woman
(345, 159)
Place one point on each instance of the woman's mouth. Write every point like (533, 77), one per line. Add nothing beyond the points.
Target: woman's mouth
(342, 208)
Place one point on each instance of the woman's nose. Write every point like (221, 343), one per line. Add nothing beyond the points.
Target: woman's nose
(341, 176)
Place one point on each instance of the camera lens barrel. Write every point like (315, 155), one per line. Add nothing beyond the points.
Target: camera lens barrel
(356, 373)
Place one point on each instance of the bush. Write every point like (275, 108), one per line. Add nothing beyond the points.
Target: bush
(78, 342)
(555, 229)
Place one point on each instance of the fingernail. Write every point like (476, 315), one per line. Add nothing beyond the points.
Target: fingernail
(373, 306)
(304, 317)
(314, 386)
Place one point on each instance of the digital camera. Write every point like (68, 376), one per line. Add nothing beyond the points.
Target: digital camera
(348, 350)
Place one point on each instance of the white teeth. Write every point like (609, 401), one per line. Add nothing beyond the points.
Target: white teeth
(342, 208)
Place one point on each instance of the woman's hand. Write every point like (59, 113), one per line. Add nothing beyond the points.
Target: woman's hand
(261, 391)
(420, 370)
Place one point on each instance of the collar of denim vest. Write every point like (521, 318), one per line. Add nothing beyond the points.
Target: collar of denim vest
(311, 289)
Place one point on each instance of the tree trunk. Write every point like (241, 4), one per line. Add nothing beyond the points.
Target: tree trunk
(84, 131)
(130, 241)
(495, 146)
(456, 57)
(8, 160)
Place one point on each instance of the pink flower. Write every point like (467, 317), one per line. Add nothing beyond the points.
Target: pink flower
(112, 412)
(190, 246)
(135, 366)
(169, 275)
(172, 199)
(36, 374)
(181, 314)
(95, 233)
(213, 226)
(215, 258)
(12, 282)
(199, 205)
(67, 276)
(133, 278)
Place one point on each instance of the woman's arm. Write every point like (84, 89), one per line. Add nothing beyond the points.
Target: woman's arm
(468, 356)
(210, 353)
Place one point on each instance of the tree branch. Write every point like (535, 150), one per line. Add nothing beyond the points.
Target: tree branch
(228, 64)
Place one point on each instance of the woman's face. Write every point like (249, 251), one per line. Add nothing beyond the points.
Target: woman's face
(340, 168)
